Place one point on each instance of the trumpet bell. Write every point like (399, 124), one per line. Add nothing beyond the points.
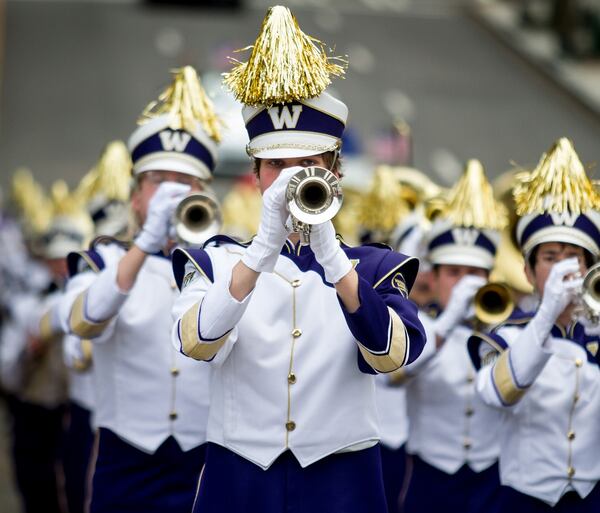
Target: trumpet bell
(314, 195)
(590, 296)
(493, 303)
(197, 218)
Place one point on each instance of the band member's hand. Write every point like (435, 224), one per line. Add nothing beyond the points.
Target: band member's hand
(562, 286)
(262, 254)
(155, 232)
(460, 304)
(328, 252)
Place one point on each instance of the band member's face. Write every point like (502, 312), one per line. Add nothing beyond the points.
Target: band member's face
(422, 292)
(548, 254)
(446, 276)
(148, 184)
(270, 168)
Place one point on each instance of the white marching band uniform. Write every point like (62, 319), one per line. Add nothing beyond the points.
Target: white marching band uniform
(145, 391)
(544, 376)
(248, 336)
(443, 387)
(550, 393)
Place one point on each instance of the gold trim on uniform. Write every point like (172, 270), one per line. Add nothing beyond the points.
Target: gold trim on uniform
(81, 326)
(394, 270)
(46, 330)
(85, 362)
(491, 356)
(195, 264)
(398, 377)
(503, 379)
(191, 344)
(398, 348)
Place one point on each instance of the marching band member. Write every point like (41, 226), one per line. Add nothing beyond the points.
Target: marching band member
(453, 435)
(294, 332)
(541, 370)
(410, 237)
(378, 211)
(40, 391)
(151, 401)
(105, 190)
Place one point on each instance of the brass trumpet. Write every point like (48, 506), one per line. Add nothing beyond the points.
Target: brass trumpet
(590, 294)
(313, 196)
(493, 303)
(197, 218)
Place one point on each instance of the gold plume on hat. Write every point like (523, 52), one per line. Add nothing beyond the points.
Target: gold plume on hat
(31, 201)
(62, 201)
(187, 103)
(471, 201)
(559, 183)
(86, 188)
(509, 265)
(382, 207)
(65, 205)
(285, 64)
(417, 187)
(114, 172)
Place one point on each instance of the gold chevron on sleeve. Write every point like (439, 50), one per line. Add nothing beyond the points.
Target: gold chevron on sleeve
(505, 384)
(395, 357)
(81, 326)
(191, 343)
(47, 332)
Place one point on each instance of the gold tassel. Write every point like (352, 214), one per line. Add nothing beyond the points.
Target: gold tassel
(471, 201)
(86, 188)
(285, 64)
(558, 184)
(31, 200)
(65, 205)
(186, 101)
(382, 208)
(114, 172)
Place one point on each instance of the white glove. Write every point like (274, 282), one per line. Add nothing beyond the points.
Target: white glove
(558, 291)
(460, 304)
(328, 252)
(263, 253)
(155, 232)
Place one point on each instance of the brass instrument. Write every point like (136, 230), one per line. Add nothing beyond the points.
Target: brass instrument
(493, 303)
(197, 218)
(313, 196)
(590, 294)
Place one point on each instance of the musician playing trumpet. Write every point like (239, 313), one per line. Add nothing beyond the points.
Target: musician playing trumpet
(152, 402)
(541, 371)
(456, 456)
(294, 332)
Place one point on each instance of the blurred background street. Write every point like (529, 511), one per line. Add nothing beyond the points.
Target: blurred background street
(497, 81)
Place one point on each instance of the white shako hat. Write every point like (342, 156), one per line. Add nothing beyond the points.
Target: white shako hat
(557, 202)
(179, 131)
(467, 232)
(286, 110)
